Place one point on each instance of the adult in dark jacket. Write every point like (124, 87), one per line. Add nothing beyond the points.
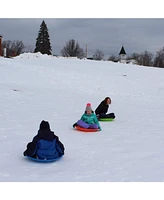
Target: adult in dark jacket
(45, 145)
(102, 109)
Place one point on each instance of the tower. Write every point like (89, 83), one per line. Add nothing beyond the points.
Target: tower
(122, 55)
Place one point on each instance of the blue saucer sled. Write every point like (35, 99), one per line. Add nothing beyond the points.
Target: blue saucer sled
(41, 160)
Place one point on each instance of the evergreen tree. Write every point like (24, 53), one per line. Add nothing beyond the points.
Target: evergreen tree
(43, 42)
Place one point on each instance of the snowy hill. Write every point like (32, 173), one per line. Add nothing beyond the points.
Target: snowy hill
(36, 87)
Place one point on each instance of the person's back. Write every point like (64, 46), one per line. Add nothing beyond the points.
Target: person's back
(102, 108)
(47, 149)
(45, 144)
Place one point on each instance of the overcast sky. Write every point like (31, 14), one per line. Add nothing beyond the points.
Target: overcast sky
(105, 34)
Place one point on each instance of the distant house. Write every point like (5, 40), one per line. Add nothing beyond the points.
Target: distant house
(122, 55)
(132, 61)
(90, 58)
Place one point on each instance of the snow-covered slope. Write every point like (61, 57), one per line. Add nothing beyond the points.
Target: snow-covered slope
(36, 87)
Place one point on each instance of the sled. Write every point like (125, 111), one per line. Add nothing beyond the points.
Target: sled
(106, 119)
(43, 160)
(86, 129)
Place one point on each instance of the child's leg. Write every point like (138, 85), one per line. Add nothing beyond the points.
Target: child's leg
(93, 126)
(82, 124)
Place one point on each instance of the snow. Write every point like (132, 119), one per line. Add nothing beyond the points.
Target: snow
(36, 87)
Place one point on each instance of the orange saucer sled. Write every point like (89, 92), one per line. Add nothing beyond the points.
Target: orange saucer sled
(85, 129)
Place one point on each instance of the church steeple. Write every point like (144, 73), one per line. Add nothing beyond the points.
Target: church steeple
(122, 52)
(122, 55)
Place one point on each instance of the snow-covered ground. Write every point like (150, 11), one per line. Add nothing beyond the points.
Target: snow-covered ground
(36, 87)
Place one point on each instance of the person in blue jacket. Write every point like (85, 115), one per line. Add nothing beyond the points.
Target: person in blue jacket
(45, 145)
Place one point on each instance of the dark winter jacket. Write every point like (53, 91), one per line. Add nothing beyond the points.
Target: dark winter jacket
(45, 145)
(102, 108)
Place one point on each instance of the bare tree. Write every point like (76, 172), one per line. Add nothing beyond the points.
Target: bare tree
(19, 47)
(13, 48)
(72, 49)
(134, 56)
(113, 58)
(99, 55)
(7, 44)
(159, 58)
(145, 58)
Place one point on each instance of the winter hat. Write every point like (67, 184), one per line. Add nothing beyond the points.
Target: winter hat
(88, 107)
(44, 125)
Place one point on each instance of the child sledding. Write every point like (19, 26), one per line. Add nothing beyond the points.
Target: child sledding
(45, 146)
(88, 121)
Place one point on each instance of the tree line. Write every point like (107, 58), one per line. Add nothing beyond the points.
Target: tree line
(73, 49)
(146, 58)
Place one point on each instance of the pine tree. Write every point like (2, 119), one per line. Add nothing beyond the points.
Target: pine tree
(43, 42)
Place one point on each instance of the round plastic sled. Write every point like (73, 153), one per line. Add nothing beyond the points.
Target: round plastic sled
(43, 160)
(106, 119)
(86, 129)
